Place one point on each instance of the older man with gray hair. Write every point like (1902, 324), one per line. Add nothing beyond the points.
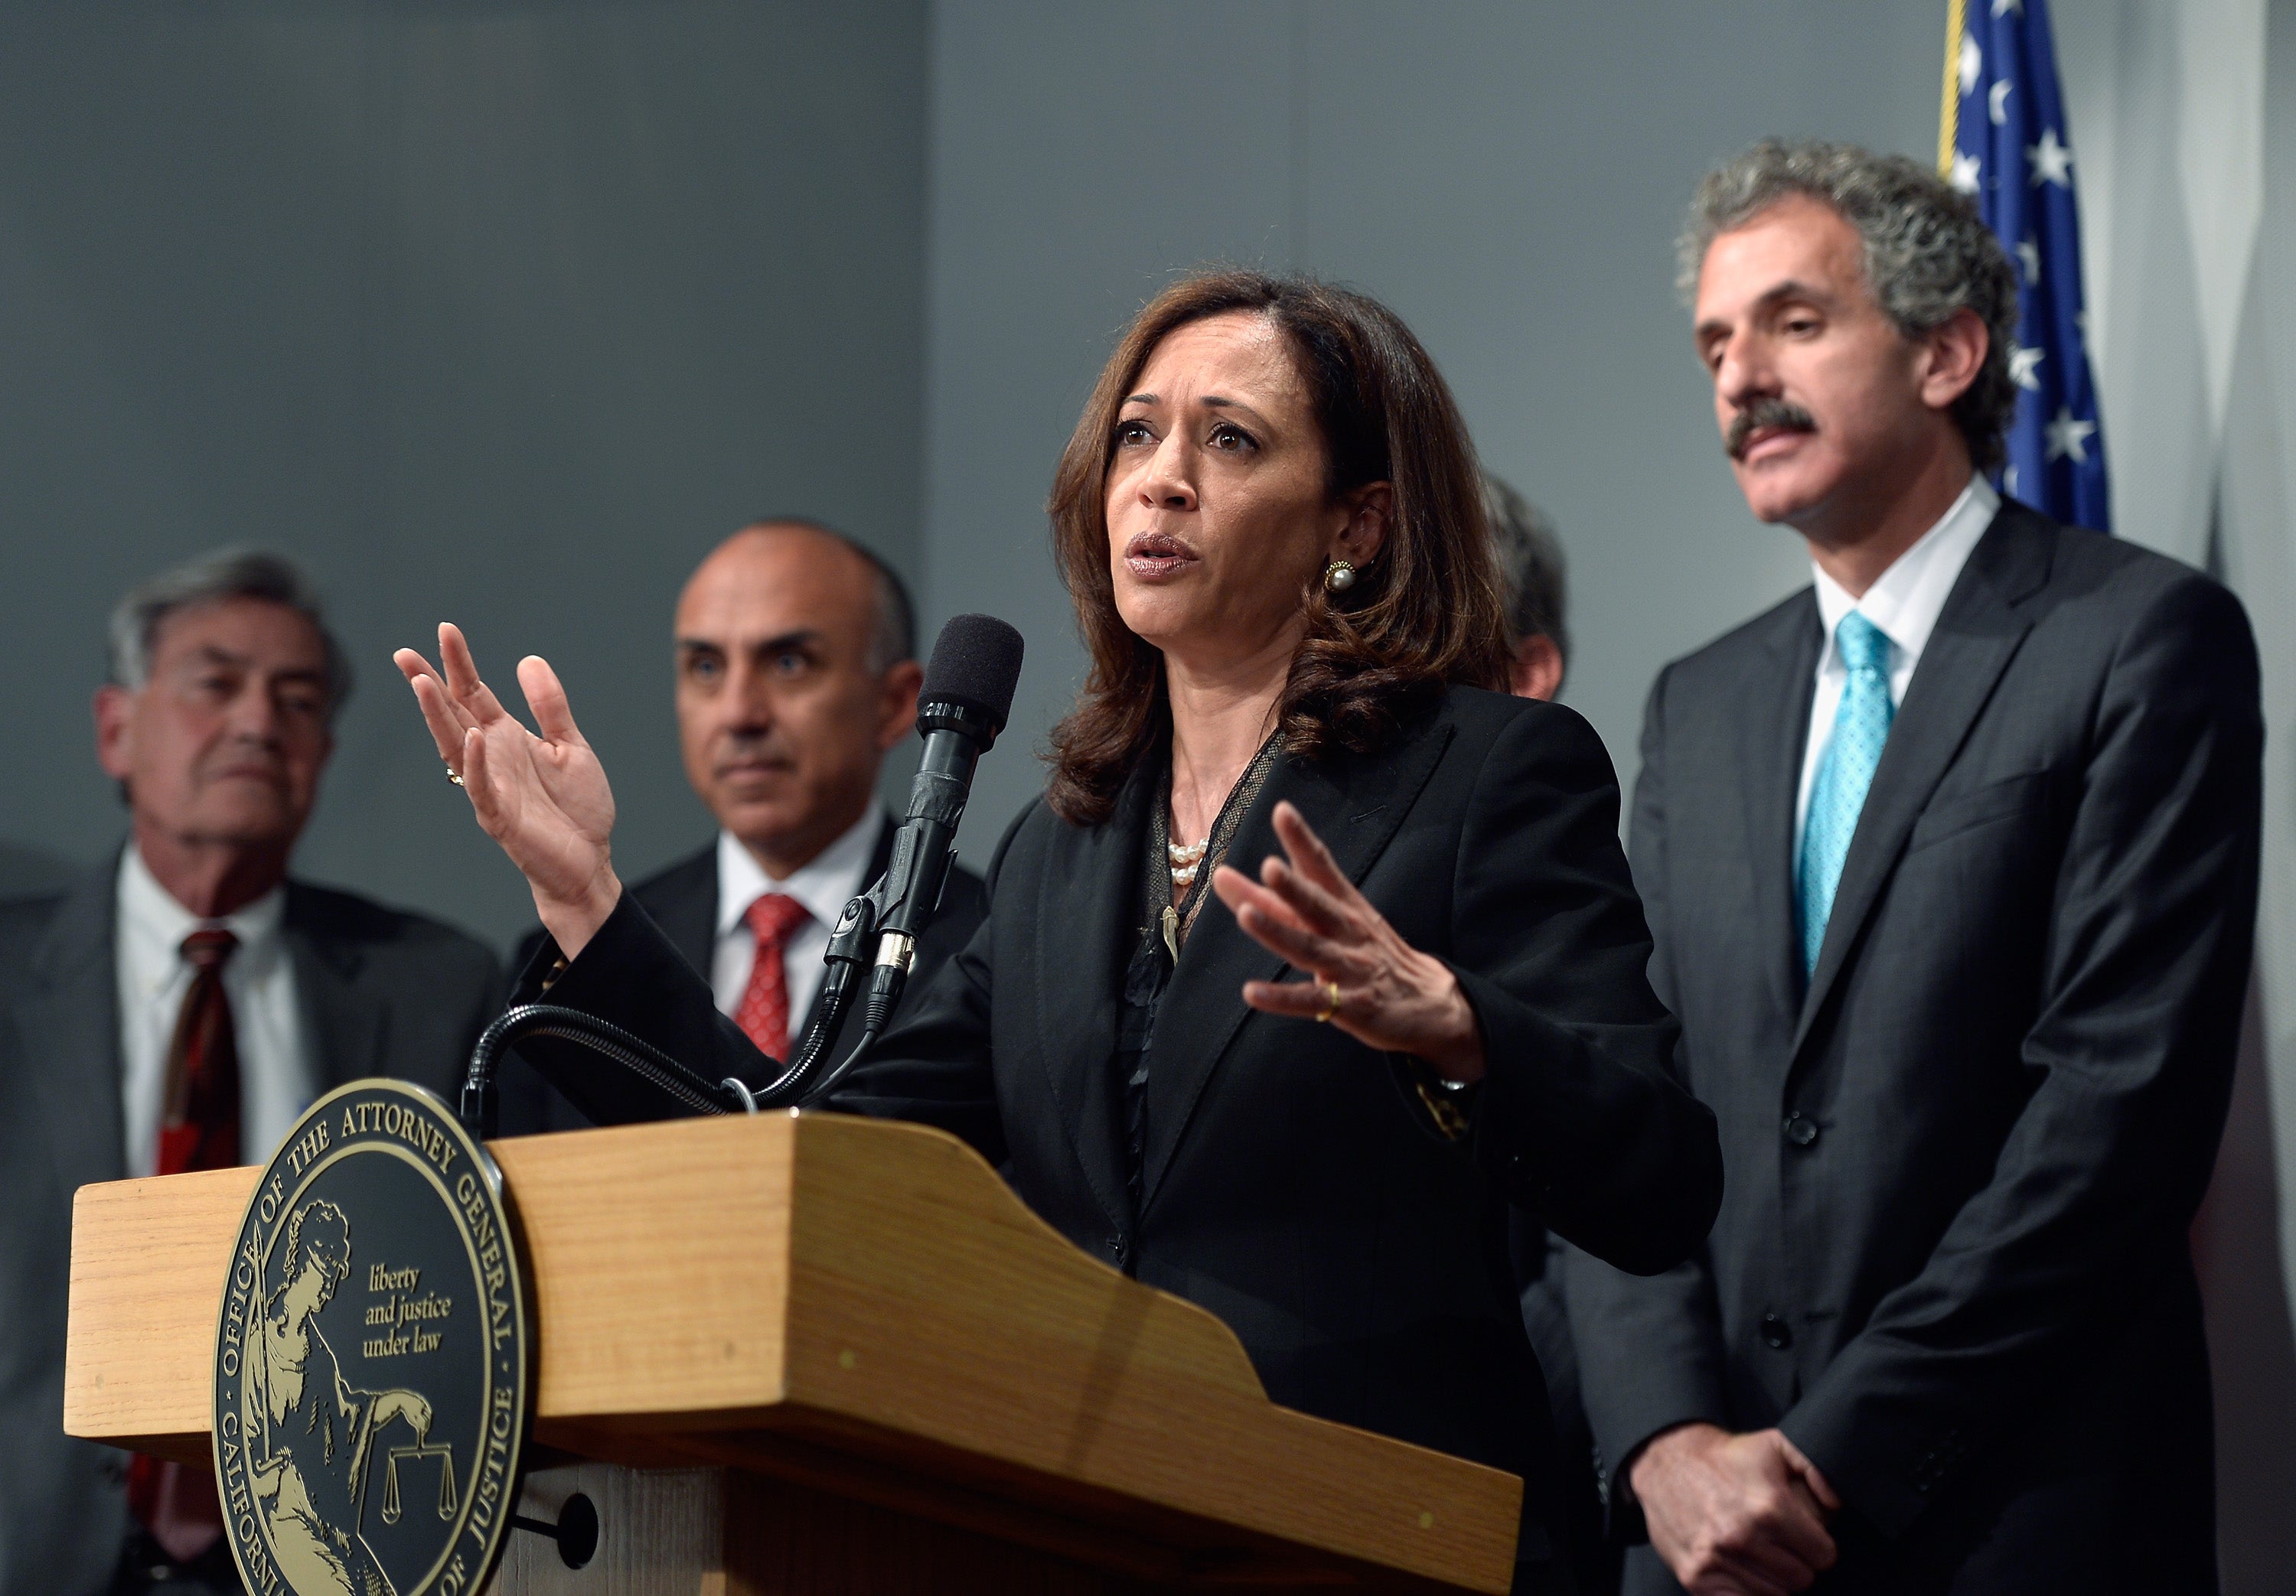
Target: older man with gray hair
(1950, 862)
(178, 1010)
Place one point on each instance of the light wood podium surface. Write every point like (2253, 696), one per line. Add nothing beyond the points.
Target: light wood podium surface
(866, 1341)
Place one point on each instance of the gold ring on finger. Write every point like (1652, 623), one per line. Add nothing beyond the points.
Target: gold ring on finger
(454, 776)
(1330, 1001)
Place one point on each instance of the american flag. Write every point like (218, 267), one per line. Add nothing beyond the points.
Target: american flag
(2003, 142)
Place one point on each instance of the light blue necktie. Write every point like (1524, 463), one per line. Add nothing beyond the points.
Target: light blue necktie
(1861, 725)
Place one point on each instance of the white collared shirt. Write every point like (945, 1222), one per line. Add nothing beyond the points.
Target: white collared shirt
(823, 884)
(1905, 602)
(276, 1077)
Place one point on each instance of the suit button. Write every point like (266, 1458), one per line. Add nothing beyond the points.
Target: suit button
(1777, 1335)
(1801, 1130)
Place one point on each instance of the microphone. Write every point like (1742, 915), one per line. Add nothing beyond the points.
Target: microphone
(966, 696)
(962, 706)
(964, 702)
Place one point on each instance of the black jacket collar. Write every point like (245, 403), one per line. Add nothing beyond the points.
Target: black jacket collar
(1085, 934)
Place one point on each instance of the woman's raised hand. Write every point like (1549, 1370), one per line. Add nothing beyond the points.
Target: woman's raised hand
(544, 799)
(1363, 977)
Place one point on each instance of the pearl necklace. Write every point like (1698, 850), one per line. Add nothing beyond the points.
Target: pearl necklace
(1187, 861)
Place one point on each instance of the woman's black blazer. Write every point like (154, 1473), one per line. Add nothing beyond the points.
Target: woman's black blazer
(1293, 1183)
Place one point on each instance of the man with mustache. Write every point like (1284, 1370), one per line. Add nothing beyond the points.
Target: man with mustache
(178, 1010)
(1951, 864)
(797, 673)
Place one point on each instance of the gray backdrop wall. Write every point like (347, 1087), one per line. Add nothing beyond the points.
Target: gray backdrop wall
(499, 313)
(505, 311)
(1508, 177)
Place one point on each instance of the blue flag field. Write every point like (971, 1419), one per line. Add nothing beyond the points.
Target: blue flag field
(2003, 142)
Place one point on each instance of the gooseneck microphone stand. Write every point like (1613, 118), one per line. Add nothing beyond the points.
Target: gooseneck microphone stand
(966, 699)
(481, 1105)
(480, 1108)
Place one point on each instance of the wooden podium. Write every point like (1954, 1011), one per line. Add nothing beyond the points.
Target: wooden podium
(813, 1354)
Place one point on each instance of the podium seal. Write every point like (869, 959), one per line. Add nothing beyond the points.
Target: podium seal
(372, 1376)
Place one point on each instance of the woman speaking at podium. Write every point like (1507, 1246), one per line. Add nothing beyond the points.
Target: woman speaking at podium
(1421, 995)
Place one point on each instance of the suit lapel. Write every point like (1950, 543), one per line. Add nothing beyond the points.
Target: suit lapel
(1355, 805)
(1083, 934)
(1771, 776)
(345, 1022)
(1977, 634)
(689, 918)
(69, 1025)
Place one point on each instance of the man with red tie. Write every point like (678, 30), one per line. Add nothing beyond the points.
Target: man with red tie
(797, 673)
(178, 1010)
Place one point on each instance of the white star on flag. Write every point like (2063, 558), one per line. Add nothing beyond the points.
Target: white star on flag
(2021, 361)
(1995, 98)
(2053, 162)
(1964, 174)
(2002, 8)
(2067, 437)
(1973, 63)
(2028, 256)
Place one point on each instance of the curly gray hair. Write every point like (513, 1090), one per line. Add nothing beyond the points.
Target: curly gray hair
(1928, 253)
(211, 578)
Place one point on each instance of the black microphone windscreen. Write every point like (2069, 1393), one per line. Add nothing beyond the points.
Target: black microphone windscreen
(977, 660)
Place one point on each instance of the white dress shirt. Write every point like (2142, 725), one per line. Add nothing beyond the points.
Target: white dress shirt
(276, 1077)
(1904, 603)
(825, 884)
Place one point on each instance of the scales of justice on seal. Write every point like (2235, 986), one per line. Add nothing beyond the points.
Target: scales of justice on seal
(719, 1345)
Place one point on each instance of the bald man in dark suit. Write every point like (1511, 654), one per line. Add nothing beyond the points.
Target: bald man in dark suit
(797, 673)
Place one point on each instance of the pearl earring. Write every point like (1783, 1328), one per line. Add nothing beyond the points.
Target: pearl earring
(1339, 576)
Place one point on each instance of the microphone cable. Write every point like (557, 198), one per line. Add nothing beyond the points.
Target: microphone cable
(481, 1105)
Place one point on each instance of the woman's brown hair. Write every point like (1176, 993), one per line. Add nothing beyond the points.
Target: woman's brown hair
(1424, 613)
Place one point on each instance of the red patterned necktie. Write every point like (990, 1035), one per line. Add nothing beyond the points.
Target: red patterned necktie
(198, 1129)
(763, 1014)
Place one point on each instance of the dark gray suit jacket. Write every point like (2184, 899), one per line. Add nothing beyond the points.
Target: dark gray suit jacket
(1951, 1261)
(382, 993)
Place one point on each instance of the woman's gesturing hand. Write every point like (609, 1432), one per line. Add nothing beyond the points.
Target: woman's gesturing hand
(545, 798)
(1362, 976)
